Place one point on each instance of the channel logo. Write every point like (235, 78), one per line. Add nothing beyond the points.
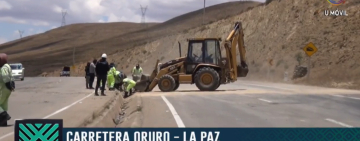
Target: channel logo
(38, 130)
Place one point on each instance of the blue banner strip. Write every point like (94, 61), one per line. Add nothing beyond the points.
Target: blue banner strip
(211, 134)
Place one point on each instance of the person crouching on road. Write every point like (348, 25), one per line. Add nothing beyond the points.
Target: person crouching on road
(129, 84)
(7, 85)
(87, 75)
(119, 76)
(111, 77)
(102, 67)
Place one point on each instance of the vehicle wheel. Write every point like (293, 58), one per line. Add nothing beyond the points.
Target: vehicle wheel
(207, 79)
(22, 79)
(218, 86)
(177, 84)
(166, 83)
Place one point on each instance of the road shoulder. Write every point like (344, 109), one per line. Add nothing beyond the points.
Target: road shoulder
(84, 112)
(152, 107)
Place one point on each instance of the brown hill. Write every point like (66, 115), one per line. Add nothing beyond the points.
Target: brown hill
(51, 50)
(43, 51)
(277, 31)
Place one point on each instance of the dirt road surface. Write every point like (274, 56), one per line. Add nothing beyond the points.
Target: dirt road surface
(252, 104)
(44, 97)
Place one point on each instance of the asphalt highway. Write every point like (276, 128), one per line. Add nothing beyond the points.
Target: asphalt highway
(43, 97)
(252, 104)
(240, 104)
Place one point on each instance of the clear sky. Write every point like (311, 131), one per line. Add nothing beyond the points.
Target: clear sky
(37, 16)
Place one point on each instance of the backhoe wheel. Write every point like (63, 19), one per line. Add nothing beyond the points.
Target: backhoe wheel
(207, 79)
(166, 83)
(177, 84)
(218, 86)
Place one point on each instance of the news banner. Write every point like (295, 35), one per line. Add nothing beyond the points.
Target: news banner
(52, 130)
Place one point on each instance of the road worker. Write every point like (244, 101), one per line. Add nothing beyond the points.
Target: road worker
(111, 77)
(7, 85)
(118, 83)
(129, 84)
(137, 72)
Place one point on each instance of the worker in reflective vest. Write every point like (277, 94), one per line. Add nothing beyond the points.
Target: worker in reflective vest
(119, 76)
(111, 77)
(129, 84)
(137, 70)
(7, 85)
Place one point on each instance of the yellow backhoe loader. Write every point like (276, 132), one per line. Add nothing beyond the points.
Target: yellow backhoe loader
(203, 65)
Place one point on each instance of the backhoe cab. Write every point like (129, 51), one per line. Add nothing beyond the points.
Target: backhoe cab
(203, 65)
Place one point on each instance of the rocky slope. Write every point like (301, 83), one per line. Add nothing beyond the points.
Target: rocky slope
(278, 32)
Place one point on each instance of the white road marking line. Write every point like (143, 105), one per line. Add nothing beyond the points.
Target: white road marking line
(339, 123)
(177, 118)
(52, 114)
(354, 98)
(63, 109)
(338, 95)
(287, 89)
(248, 96)
(265, 100)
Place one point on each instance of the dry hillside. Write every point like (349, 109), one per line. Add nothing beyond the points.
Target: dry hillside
(277, 31)
(53, 49)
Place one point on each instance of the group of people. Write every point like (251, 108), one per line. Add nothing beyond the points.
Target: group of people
(102, 70)
(7, 85)
(106, 73)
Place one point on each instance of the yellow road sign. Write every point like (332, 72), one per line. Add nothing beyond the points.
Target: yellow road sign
(310, 49)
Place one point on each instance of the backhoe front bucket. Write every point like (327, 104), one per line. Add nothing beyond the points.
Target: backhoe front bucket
(146, 80)
(143, 84)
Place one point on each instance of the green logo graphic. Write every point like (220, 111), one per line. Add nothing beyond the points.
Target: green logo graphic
(38, 130)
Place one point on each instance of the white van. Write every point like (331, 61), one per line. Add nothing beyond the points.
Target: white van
(17, 71)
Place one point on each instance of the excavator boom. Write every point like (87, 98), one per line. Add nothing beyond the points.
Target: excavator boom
(236, 39)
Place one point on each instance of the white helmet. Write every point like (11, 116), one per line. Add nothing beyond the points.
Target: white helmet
(103, 55)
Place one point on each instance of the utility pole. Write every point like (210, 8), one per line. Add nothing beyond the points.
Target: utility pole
(63, 22)
(203, 17)
(143, 12)
(73, 56)
(21, 33)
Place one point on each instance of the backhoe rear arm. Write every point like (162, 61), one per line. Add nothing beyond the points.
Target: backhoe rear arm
(236, 38)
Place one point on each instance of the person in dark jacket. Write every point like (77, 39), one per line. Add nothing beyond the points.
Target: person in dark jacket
(87, 75)
(102, 68)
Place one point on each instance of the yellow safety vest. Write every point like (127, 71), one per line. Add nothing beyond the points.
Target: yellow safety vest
(137, 71)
